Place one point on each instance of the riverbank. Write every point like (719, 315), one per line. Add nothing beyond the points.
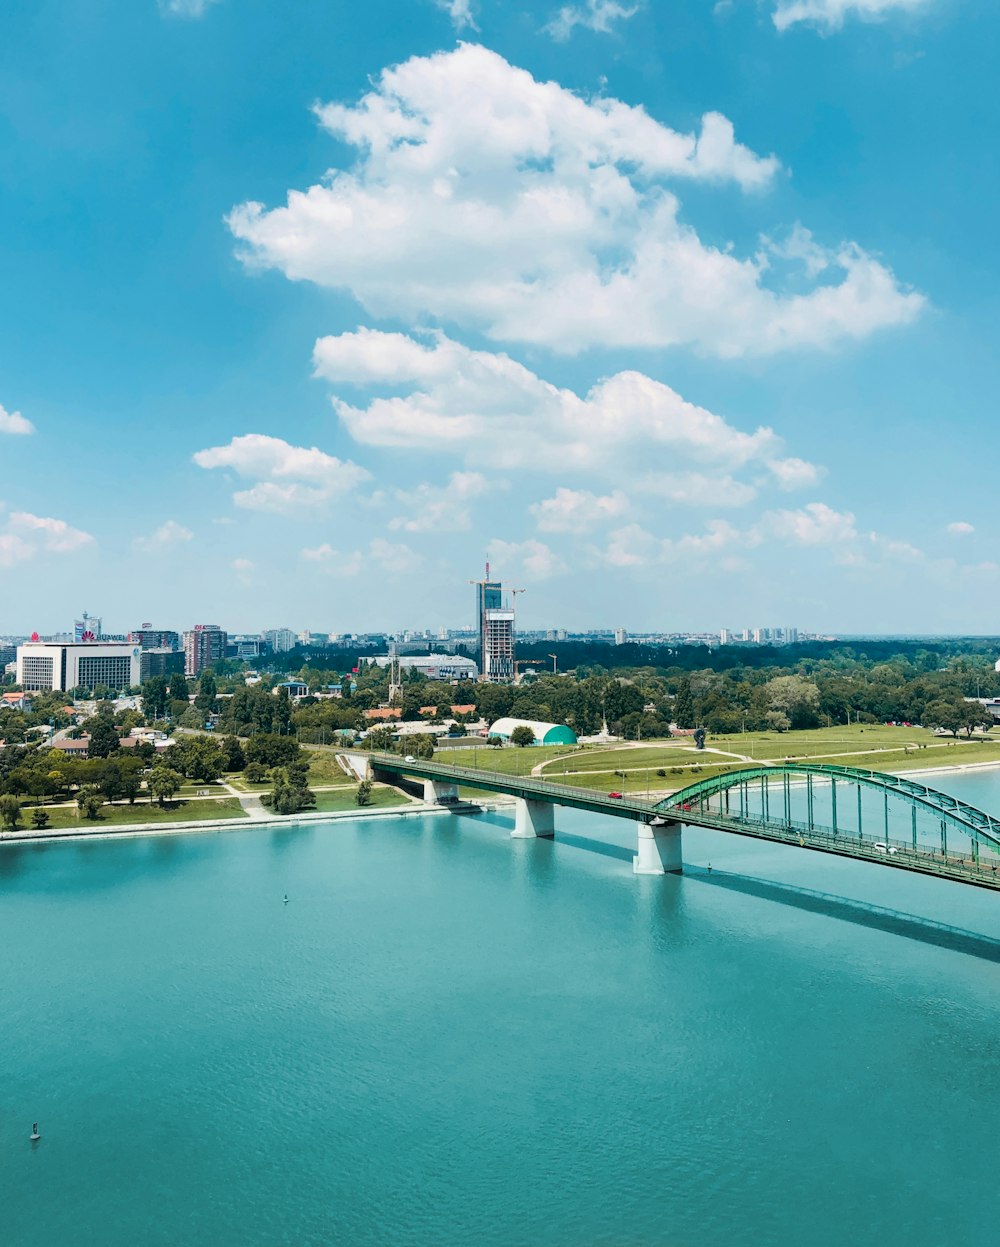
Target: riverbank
(244, 823)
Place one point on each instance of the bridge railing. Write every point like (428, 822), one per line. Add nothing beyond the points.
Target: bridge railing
(529, 783)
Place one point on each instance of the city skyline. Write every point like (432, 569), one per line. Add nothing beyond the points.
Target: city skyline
(676, 319)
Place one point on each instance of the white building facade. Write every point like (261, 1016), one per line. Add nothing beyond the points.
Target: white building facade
(61, 666)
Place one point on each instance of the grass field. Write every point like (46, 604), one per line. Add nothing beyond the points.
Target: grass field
(343, 799)
(61, 816)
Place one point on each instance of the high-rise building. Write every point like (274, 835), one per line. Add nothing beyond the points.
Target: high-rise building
(204, 646)
(723, 636)
(87, 629)
(495, 631)
(160, 661)
(87, 664)
(148, 637)
(281, 640)
(621, 636)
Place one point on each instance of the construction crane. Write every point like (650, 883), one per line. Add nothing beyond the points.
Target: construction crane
(525, 662)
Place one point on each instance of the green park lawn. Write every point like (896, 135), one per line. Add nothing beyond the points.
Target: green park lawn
(334, 801)
(61, 816)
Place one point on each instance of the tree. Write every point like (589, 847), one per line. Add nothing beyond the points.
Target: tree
(381, 739)
(154, 697)
(39, 819)
(255, 772)
(207, 693)
(684, 711)
(522, 735)
(946, 714)
(10, 812)
(795, 697)
(103, 734)
(363, 795)
(111, 782)
(90, 799)
(179, 690)
(272, 749)
(290, 792)
(235, 757)
(163, 783)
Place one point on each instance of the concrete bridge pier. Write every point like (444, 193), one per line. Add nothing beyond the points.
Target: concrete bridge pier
(440, 792)
(659, 849)
(533, 820)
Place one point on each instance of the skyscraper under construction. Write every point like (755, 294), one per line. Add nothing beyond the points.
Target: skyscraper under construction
(495, 631)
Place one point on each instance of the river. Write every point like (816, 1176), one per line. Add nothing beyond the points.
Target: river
(446, 1037)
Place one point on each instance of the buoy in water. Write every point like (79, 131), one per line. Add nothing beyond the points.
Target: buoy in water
(35, 1136)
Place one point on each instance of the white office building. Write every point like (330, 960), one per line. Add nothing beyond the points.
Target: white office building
(59, 665)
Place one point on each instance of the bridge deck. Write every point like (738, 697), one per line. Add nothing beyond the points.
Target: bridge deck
(824, 840)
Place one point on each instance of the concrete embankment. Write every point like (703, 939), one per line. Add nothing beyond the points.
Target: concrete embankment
(233, 824)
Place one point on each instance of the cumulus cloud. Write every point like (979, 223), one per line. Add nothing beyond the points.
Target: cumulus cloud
(528, 560)
(460, 12)
(635, 546)
(185, 8)
(515, 207)
(165, 537)
(794, 473)
(48, 534)
(14, 549)
(831, 14)
(960, 528)
(815, 524)
(437, 508)
(578, 510)
(14, 423)
(494, 412)
(24, 536)
(289, 479)
(597, 15)
(382, 555)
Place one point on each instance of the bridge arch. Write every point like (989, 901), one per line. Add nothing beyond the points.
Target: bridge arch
(833, 801)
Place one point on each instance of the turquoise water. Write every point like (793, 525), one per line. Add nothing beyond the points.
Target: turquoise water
(448, 1037)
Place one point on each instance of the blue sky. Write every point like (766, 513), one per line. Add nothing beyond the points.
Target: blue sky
(685, 316)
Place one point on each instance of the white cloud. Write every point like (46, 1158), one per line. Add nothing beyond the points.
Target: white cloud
(815, 524)
(960, 528)
(578, 511)
(495, 413)
(14, 549)
(460, 12)
(14, 423)
(289, 478)
(696, 489)
(54, 536)
(319, 554)
(185, 8)
(634, 546)
(166, 536)
(443, 509)
(794, 473)
(530, 560)
(382, 555)
(831, 14)
(515, 207)
(244, 569)
(597, 15)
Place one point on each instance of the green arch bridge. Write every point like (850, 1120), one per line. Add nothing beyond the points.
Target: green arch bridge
(854, 813)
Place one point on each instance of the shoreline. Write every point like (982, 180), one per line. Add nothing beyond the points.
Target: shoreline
(217, 825)
(411, 810)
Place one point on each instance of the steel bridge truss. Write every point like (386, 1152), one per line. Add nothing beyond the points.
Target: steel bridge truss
(835, 804)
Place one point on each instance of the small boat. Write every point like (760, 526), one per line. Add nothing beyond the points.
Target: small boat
(35, 1136)
(286, 898)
